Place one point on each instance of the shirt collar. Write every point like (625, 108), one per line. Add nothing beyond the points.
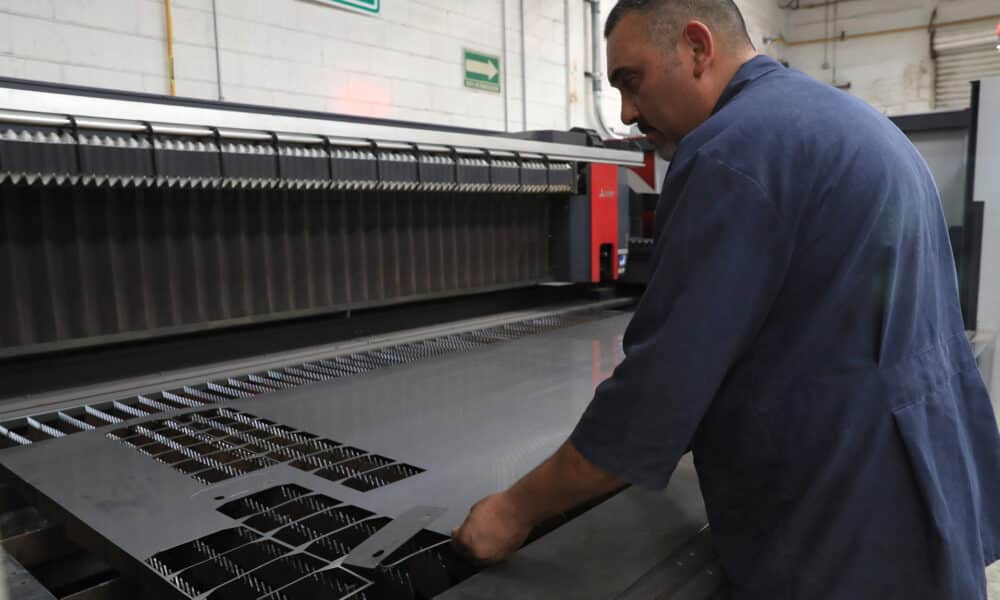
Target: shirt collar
(750, 70)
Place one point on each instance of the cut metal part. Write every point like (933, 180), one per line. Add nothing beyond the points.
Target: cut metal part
(342, 542)
(390, 538)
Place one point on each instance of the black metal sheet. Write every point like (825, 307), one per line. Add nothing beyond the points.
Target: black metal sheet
(475, 421)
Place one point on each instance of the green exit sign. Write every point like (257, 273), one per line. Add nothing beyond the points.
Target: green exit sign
(369, 6)
(481, 71)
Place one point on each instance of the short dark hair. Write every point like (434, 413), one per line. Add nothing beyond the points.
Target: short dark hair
(668, 15)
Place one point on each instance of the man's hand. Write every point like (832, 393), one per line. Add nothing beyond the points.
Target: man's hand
(493, 530)
(499, 524)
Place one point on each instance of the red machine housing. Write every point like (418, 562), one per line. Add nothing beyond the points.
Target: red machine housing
(603, 222)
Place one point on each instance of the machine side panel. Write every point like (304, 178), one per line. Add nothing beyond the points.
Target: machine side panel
(603, 222)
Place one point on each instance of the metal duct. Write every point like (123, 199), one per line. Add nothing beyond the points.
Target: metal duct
(90, 263)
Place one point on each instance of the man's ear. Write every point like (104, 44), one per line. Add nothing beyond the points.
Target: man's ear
(699, 40)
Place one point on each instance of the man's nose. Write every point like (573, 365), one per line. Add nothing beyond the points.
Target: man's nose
(630, 114)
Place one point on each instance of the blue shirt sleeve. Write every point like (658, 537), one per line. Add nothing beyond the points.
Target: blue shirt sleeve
(721, 256)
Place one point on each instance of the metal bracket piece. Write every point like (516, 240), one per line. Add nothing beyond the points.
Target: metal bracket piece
(371, 552)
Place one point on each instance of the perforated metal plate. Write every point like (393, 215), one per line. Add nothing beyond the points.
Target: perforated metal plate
(219, 444)
(284, 543)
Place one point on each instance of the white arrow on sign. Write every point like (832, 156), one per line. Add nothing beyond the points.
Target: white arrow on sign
(485, 69)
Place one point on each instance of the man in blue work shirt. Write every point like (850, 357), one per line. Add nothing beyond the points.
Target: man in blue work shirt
(801, 333)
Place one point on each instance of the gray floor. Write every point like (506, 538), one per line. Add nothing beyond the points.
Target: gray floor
(993, 579)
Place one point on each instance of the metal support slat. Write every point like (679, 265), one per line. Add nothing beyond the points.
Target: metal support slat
(287, 380)
(227, 391)
(136, 408)
(311, 373)
(38, 428)
(20, 584)
(54, 425)
(22, 433)
(270, 381)
(330, 368)
(37, 547)
(104, 415)
(79, 418)
(115, 589)
(343, 365)
(251, 387)
(167, 404)
(186, 400)
(163, 403)
(69, 574)
(208, 395)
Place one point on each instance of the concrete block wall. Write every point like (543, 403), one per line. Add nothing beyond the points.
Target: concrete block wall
(404, 63)
(546, 83)
(892, 71)
(92, 42)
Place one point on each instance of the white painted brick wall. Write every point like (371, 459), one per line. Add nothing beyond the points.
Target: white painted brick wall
(404, 63)
(38, 8)
(105, 43)
(5, 46)
(893, 72)
(30, 69)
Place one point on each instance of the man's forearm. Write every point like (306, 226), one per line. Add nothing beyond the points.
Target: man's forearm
(562, 482)
(499, 524)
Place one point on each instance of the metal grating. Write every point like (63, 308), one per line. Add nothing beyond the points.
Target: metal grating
(257, 559)
(365, 482)
(38, 428)
(219, 444)
(85, 265)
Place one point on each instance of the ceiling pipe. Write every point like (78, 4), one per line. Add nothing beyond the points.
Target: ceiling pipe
(597, 78)
(505, 65)
(843, 36)
(524, 74)
(218, 50)
(170, 49)
(794, 5)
